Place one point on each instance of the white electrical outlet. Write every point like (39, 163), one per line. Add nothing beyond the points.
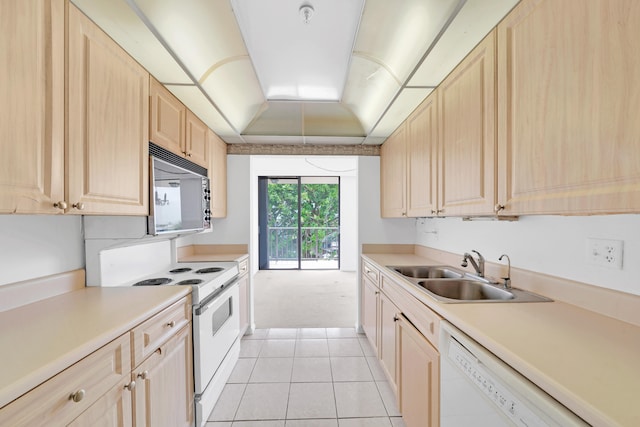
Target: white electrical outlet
(607, 253)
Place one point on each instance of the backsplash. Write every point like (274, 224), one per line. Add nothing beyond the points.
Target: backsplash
(554, 245)
(35, 246)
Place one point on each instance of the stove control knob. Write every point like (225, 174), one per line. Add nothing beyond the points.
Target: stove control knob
(77, 396)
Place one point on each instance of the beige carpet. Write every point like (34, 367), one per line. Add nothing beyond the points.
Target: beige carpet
(305, 299)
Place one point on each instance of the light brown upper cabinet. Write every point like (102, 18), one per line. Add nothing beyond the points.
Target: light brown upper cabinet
(422, 157)
(467, 142)
(217, 175)
(175, 127)
(107, 124)
(168, 118)
(196, 140)
(393, 175)
(106, 116)
(408, 165)
(569, 96)
(32, 108)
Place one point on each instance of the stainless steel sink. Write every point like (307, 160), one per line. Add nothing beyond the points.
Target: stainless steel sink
(464, 289)
(449, 285)
(428, 271)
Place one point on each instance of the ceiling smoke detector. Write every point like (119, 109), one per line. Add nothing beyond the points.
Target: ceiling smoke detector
(306, 12)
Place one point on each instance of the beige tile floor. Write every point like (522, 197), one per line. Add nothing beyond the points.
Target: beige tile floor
(306, 377)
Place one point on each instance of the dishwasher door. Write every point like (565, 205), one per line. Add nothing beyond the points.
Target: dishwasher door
(478, 389)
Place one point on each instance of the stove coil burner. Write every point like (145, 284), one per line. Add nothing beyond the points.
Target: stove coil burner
(190, 282)
(209, 270)
(153, 282)
(180, 270)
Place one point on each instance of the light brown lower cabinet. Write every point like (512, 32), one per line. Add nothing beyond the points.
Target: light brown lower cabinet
(113, 409)
(163, 395)
(404, 334)
(387, 346)
(108, 388)
(67, 395)
(369, 309)
(418, 377)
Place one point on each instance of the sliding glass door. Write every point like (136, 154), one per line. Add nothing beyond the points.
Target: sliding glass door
(299, 222)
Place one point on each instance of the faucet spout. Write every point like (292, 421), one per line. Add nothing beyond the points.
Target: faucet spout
(507, 280)
(478, 266)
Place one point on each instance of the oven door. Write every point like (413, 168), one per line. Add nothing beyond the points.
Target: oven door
(216, 326)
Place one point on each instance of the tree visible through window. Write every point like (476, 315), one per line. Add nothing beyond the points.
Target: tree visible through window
(303, 222)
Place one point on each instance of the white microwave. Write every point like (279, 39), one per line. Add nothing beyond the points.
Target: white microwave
(179, 194)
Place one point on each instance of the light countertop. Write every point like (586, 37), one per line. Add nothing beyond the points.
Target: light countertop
(588, 362)
(39, 340)
(213, 257)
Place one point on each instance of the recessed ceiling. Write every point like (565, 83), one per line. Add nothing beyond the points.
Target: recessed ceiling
(300, 49)
(255, 72)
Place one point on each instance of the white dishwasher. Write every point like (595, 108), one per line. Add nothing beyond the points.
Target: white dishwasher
(478, 389)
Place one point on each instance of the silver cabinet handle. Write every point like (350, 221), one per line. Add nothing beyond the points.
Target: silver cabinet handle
(78, 395)
(60, 205)
(79, 206)
(171, 324)
(498, 207)
(130, 386)
(143, 375)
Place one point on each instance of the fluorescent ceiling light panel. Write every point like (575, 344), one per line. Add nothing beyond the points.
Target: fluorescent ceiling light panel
(295, 60)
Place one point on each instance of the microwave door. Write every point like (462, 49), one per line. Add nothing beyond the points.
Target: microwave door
(168, 209)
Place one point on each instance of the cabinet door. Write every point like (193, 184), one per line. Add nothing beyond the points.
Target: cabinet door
(164, 389)
(73, 391)
(387, 348)
(467, 134)
(370, 294)
(422, 171)
(168, 118)
(393, 157)
(418, 375)
(113, 409)
(196, 140)
(218, 175)
(569, 95)
(107, 120)
(32, 109)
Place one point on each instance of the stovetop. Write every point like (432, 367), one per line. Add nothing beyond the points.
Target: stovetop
(204, 277)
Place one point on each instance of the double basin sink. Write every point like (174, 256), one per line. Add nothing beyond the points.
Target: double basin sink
(447, 284)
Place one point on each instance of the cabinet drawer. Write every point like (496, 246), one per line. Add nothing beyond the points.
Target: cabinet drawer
(421, 316)
(243, 266)
(52, 402)
(371, 272)
(150, 335)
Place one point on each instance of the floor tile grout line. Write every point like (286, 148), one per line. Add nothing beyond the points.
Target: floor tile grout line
(333, 381)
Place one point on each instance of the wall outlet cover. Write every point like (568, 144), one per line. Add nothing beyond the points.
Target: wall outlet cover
(605, 252)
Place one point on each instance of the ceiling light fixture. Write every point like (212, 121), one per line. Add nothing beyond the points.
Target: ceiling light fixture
(306, 11)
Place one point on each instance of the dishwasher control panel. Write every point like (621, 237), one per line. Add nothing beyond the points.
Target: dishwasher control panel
(504, 399)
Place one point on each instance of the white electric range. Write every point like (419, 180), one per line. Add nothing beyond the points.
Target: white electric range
(216, 324)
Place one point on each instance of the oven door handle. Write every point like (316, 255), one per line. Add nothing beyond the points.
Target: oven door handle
(211, 299)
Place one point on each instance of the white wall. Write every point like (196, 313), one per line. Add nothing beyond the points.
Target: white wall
(371, 227)
(34, 246)
(555, 245)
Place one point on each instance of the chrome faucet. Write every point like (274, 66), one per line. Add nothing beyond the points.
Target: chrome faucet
(479, 266)
(507, 280)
